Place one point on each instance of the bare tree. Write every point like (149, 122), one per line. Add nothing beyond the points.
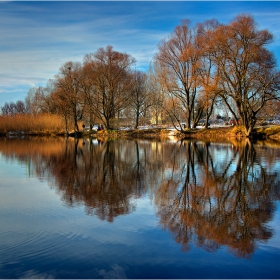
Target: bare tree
(35, 100)
(12, 108)
(156, 111)
(5, 109)
(140, 97)
(177, 66)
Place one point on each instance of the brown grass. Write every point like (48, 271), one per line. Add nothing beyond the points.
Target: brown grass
(233, 132)
(36, 124)
(213, 133)
(272, 132)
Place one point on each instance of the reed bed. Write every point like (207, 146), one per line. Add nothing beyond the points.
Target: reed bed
(38, 124)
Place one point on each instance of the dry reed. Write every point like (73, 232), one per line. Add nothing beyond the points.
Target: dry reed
(25, 123)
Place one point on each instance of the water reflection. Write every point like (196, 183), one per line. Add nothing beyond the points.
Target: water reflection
(219, 198)
(210, 194)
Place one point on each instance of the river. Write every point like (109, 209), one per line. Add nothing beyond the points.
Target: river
(88, 208)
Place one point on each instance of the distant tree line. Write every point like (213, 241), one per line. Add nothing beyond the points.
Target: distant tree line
(13, 108)
(197, 70)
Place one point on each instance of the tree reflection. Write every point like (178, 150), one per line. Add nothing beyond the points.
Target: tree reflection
(219, 199)
(100, 176)
(105, 177)
(212, 194)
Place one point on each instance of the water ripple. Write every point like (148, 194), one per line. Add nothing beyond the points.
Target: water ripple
(41, 243)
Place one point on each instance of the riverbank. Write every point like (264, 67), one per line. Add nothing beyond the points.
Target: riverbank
(214, 133)
(237, 132)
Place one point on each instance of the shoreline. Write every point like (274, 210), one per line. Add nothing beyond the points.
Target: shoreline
(210, 134)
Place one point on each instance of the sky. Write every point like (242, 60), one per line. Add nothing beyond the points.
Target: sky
(38, 37)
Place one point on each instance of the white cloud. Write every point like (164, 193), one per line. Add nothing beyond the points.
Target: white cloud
(38, 37)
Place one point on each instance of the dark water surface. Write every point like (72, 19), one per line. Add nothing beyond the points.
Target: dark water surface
(139, 209)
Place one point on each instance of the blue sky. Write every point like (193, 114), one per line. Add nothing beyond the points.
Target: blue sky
(37, 37)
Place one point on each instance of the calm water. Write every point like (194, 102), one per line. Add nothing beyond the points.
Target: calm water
(139, 209)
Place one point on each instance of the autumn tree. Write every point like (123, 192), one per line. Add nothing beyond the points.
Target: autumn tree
(208, 73)
(112, 82)
(270, 110)
(48, 100)
(247, 69)
(88, 90)
(177, 65)
(51, 102)
(67, 92)
(57, 105)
